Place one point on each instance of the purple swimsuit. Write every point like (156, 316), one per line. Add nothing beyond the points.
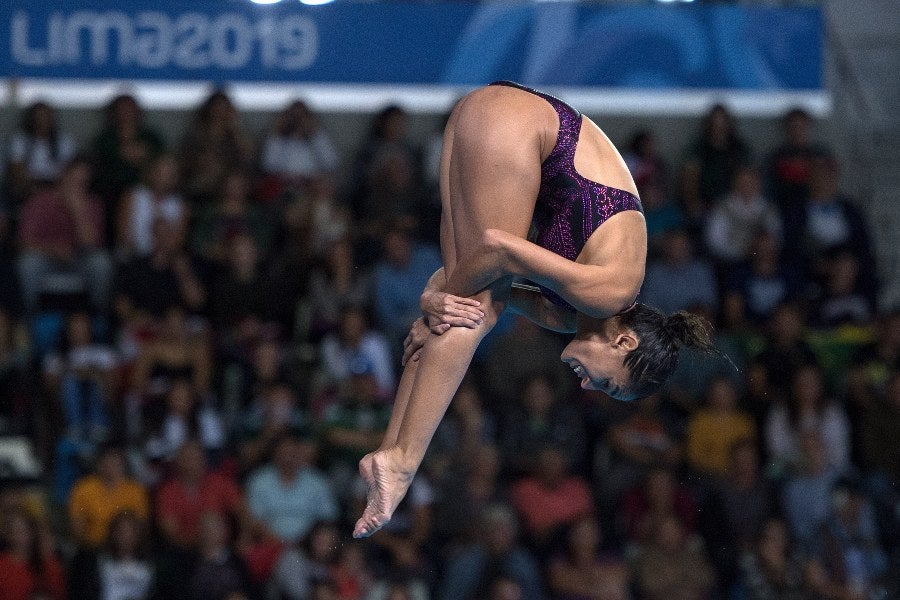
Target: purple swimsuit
(569, 207)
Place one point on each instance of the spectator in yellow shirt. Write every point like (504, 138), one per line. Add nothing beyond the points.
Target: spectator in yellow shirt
(713, 430)
(97, 498)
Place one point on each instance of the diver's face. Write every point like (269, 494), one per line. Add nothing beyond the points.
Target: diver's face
(597, 356)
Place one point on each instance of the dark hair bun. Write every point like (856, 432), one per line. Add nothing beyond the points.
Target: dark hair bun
(689, 330)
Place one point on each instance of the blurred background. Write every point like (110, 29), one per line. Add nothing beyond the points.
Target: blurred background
(216, 219)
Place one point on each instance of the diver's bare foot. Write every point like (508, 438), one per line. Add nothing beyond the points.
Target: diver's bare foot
(388, 483)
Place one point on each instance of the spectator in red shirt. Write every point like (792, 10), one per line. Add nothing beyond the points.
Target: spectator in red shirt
(61, 232)
(27, 569)
(191, 492)
(550, 497)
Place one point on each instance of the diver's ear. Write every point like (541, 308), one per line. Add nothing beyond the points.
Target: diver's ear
(625, 341)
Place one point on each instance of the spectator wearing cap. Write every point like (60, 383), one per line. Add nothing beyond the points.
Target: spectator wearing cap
(289, 495)
(355, 343)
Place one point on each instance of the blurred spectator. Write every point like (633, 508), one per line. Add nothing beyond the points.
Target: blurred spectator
(464, 431)
(242, 303)
(123, 569)
(644, 506)
(713, 430)
(503, 587)
(157, 197)
(585, 571)
(352, 576)
(880, 432)
(644, 160)
(850, 546)
(549, 497)
(15, 407)
(192, 491)
(807, 494)
(399, 278)
(746, 499)
(289, 495)
(470, 571)
(97, 498)
(712, 161)
(176, 353)
(149, 286)
(38, 151)
(873, 364)
(219, 574)
(61, 234)
(273, 412)
(790, 163)
(82, 376)
(661, 212)
(772, 569)
(305, 563)
(679, 280)
(808, 410)
(122, 150)
(672, 565)
(845, 300)
(739, 216)
(315, 220)
(828, 221)
(786, 350)
(542, 418)
(214, 146)
(28, 568)
(298, 149)
(764, 281)
(336, 282)
(356, 345)
(228, 214)
(353, 426)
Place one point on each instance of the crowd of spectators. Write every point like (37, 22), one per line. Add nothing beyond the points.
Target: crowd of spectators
(200, 338)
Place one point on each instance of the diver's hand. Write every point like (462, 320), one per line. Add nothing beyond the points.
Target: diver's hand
(412, 345)
(443, 310)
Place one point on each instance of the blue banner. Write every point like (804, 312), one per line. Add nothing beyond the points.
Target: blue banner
(443, 43)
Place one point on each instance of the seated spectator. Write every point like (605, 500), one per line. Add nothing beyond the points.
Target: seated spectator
(808, 410)
(585, 570)
(83, 377)
(219, 573)
(880, 431)
(467, 488)
(273, 412)
(316, 219)
(849, 546)
(356, 343)
(398, 280)
(549, 497)
(786, 349)
(465, 430)
(713, 430)
(157, 197)
(790, 163)
(61, 232)
(543, 419)
(765, 281)
(659, 495)
(298, 149)
(97, 498)
(289, 495)
(214, 146)
(470, 571)
(644, 160)
(229, 214)
(122, 568)
(673, 564)
(739, 216)
(844, 301)
(873, 365)
(746, 499)
(302, 565)
(679, 280)
(28, 568)
(336, 282)
(123, 149)
(353, 426)
(38, 152)
(806, 495)
(713, 158)
(829, 221)
(772, 568)
(186, 416)
(661, 212)
(147, 287)
(15, 405)
(192, 491)
(352, 575)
